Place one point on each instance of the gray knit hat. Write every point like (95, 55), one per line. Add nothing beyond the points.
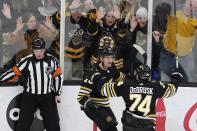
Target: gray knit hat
(142, 13)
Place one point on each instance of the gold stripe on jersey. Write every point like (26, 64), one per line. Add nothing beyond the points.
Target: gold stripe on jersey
(100, 99)
(113, 91)
(83, 94)
(84, 91)
(170, 91)
(104, 90)
(108, 90)
(118, 67)
(102, 102)
(173, 89)
(86, 88)
(94, 60)
(111, 85)
(121, 77)
(166, 93)
(74, 56)
(118, 61)
(151, 116)
(80, 96)
(104, 105)
(74, 50)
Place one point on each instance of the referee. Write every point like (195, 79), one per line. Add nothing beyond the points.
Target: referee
(40, 75)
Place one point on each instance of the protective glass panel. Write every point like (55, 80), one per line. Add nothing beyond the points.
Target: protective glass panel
(173, 49)
(20, 22)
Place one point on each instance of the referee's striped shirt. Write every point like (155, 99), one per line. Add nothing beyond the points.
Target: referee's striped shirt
(43, 76)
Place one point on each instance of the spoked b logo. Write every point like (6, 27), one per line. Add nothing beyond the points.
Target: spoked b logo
(12, 115)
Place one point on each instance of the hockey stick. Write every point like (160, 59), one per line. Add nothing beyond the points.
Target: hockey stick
(175, 26)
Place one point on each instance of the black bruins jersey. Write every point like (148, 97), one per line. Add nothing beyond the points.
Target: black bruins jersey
(99, 31)
(88, 87)
(140, 98)
(112, 36)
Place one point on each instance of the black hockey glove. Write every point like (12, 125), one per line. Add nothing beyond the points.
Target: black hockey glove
(90, 104)
(176, 75)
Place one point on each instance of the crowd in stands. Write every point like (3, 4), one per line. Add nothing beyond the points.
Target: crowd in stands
(91, 24)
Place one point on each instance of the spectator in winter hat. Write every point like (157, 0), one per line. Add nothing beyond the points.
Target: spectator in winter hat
(141, 16)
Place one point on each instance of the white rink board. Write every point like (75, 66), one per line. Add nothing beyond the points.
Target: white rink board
(177, 108)
(73, 119)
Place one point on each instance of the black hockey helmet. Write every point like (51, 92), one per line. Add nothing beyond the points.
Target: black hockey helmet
(105, 51)
(143, 72)
(38, 43)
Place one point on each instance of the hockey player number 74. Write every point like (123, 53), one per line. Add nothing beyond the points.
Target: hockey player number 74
(141, 105)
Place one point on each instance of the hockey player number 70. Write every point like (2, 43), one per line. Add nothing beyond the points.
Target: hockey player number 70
(141, 105)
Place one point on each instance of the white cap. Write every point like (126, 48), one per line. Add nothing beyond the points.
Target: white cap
(142, 13)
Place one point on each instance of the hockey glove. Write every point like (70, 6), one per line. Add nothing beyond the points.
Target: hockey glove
(176, 76)
(90, 104)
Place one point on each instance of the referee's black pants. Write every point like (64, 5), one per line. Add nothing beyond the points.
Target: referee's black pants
(48, 108)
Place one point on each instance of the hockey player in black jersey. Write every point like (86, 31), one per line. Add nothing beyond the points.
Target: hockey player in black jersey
(140, 96)
(96, 106)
